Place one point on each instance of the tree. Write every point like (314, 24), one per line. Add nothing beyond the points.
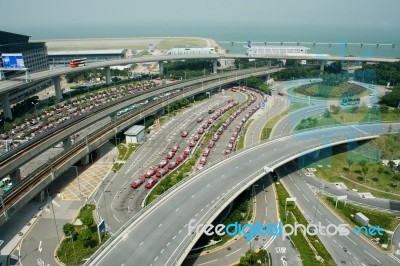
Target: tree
(391, 164)
(69, 229)
(364, 170)
(87, 220)
(327, 114)
(252, 258)
(85, 236)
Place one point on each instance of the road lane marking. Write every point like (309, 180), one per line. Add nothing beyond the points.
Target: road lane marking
(159, 225)
(297, 187)
(372, 257)
(180, 231)
(305, 198)
(162, 251)
(233, 252)
(207, 262)
(156, 258)
(168, 244)
(266, 211)
(177, 210)
(173, 237)
(351, 241)
(141, 244)
(116, 217)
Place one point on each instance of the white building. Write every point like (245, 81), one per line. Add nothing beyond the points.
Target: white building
(191, 51)
(135, 134)
(276, 50)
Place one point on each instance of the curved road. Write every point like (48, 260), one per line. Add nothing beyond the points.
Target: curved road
(158, 236)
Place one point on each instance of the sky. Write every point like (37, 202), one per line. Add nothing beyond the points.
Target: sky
(35, 18)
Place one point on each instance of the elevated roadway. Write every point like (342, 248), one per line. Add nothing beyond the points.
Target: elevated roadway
(159, 235)
(18, 156)
(30, 186)
(16, 83)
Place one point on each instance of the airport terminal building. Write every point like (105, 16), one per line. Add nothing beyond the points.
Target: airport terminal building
(34, 53)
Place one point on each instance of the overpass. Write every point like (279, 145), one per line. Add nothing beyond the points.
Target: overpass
(24, 190)
(9, 86)
(158, 235)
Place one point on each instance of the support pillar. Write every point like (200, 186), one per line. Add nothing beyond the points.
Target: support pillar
(161, 67)
(41, 197)
(269, 63)
(321, 68)
(85, 160)
(57, 88)
(15, 175)
(5, 103)
(2, 76)
(315, 154)
(215, 66)
(107, 73)
(66, 143)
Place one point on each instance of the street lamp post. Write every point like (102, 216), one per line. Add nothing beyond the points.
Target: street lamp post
(34, 104)
(79, 184)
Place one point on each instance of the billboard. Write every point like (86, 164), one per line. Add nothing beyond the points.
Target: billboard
(13, 61)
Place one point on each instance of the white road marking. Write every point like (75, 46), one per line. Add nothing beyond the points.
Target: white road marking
(372, 256)
(168, 244)
(351, 241)
(162, 251)
(156, 258)
(305, 198)
(233, 252)
(159, 225)
(116, 217)
(173, 237)
(141, 244)
(180, 231)
(207, 262)
(297, 187)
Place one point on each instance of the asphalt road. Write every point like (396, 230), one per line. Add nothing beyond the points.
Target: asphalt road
(266, 211)
(121, 201)
(345, 250)
(159, 236)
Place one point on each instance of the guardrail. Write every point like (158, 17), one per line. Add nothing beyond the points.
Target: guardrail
(191, 176)
(151, 93)
(115, 124)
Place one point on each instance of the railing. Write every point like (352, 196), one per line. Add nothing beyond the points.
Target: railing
(112, 124)
(245, 181)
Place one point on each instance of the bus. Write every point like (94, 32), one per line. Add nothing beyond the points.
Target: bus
(78, 62)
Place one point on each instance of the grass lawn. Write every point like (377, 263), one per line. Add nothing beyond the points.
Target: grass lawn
(348, 115)
(240, 144)
(319, 91)
(266, 131)
(347, 166)
(181, 42)
(347, 211)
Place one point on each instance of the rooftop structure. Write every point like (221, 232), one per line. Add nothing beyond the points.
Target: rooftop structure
(276, 50)
(191, 51)
(63, 57)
